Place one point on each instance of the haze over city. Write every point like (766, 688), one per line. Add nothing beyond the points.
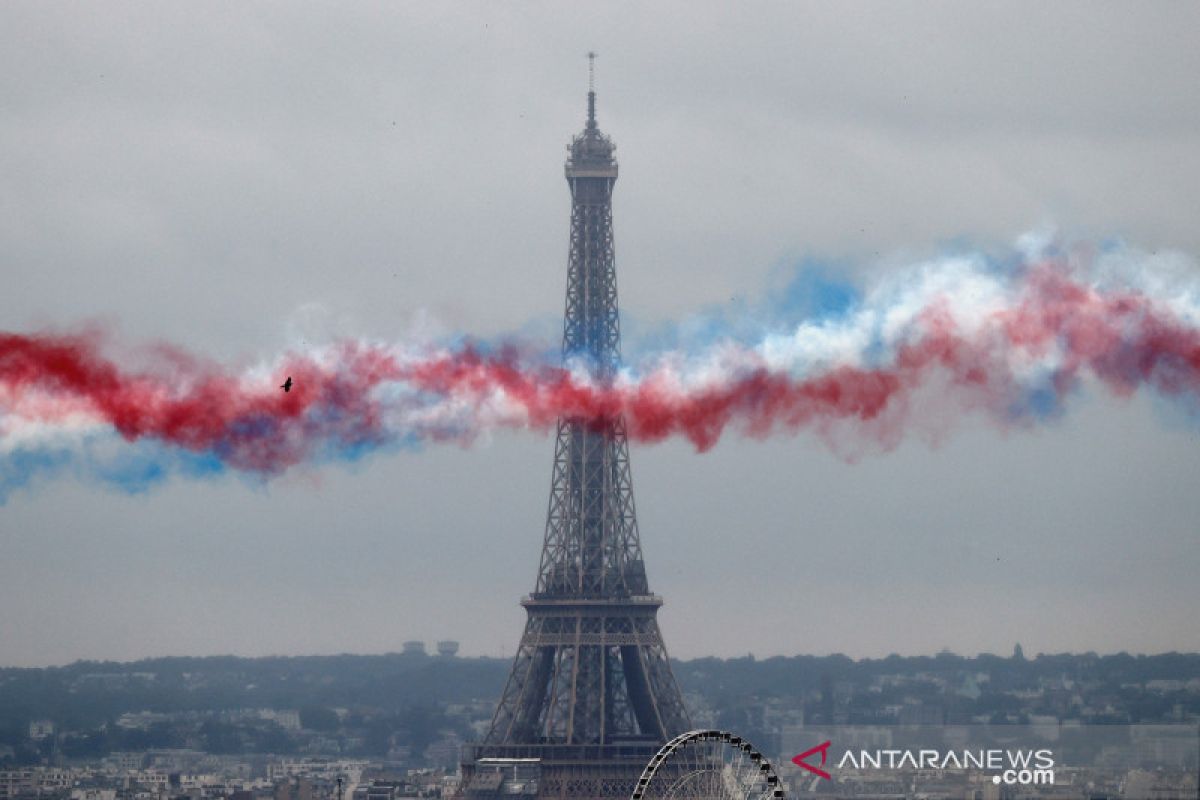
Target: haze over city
(244, 181)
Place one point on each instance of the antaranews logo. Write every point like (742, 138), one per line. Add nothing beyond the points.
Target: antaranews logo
(1013, 767)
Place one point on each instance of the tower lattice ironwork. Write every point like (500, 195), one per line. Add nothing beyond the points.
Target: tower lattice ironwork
(591, 695)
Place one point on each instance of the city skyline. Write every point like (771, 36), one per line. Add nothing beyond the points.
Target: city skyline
(245, 182)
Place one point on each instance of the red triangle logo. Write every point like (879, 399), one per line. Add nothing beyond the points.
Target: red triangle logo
(823, 749)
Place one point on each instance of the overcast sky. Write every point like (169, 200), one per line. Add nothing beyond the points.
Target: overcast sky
(238, 179)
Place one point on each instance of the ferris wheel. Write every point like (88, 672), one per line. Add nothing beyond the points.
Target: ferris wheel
(708, 765)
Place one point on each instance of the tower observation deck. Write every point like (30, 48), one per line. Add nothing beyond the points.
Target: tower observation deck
(591, 695)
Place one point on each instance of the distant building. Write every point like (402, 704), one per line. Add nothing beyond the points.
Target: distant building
(287, 719)
(447, 648)
(41, 729)
(152, 778)
(34, 782)
(445, 751)
(413, 648)
(125, 762)
(383, 790)
(93, 793)
(295, 789)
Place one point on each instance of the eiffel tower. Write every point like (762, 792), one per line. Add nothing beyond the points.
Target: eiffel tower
(591, 695)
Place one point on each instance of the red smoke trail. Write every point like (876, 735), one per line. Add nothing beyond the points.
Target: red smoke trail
(197, 406)
(1120, 338)
(1065, 330)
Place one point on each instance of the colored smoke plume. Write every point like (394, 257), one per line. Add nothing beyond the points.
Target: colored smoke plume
(1009, 339)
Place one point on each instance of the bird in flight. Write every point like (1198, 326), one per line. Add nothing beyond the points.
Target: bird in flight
(287, 385)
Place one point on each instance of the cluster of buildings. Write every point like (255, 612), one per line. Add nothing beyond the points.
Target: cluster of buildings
(1110, 734)
(192, 775)
(1103, 745)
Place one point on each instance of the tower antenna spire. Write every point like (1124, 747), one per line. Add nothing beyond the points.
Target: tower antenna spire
(591, 88)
